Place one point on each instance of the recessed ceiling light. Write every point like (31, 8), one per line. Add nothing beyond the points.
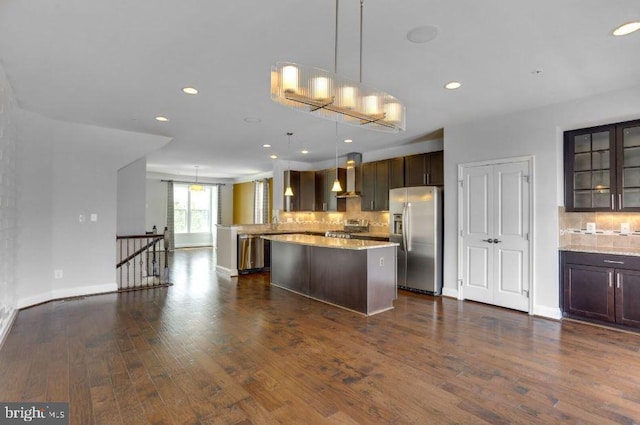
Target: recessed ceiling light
(537, 72)
(190, 90)
(252, 120)
(161, 118)
(348, 140)
(266, 145)
(627, 28)
(304, 151)
(423, 34)
(274, 157)
(452, 85)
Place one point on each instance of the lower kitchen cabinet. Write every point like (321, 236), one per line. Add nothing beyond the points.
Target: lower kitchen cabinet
(602, 287)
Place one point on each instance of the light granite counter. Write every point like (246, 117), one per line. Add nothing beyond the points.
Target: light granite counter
(602, 250)
(321, 241)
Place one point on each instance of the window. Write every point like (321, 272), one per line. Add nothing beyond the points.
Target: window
(192, 210)
(261, 201)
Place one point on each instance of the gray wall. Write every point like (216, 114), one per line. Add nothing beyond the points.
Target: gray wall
(8, 210)
(132, 195)
(66, 170)
(539, 133)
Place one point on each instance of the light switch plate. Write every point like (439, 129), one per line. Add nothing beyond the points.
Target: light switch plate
(625, 229)
(591, 227)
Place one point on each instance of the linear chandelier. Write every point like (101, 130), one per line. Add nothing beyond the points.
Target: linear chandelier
(330, 96)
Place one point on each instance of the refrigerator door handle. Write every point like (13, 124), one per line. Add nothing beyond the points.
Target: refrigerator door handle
(406, 226)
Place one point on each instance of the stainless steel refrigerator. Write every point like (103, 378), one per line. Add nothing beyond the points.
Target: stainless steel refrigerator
(416, 223)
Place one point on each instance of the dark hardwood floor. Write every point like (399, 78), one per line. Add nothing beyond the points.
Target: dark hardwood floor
(212, 350)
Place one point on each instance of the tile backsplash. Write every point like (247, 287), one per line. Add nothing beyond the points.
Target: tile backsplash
(378, 220)
(573, 229)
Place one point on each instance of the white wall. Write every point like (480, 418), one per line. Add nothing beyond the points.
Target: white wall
(539, 133)
(132, 195)
(8, 209)
(66, 170)
(156, 204)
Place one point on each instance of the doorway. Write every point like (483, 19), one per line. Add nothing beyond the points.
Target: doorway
(495, 232)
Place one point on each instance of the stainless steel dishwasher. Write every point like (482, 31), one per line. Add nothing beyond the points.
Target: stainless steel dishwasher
(250, 253)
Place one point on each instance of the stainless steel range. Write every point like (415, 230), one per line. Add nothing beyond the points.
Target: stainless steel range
(350, 226)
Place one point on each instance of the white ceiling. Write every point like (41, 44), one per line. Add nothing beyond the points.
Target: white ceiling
(119, 63)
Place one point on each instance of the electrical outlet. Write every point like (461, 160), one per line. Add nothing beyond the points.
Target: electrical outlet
(381, 261)
(94, 217)
(591, 227)
(625, 229)
(81, 218)
(57, 274)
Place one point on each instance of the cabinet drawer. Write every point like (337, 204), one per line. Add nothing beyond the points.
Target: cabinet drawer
(628, 262)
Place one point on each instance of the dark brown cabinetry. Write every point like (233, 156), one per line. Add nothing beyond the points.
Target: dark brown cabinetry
(602, 168)
(303, 187)
(396, 173)
(425, 169)
(326, 200)
(601, 287)
(375, 186)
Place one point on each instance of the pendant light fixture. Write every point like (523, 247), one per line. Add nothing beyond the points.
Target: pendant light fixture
(331, 96)
(336, 183)
(195, 187)
(288, 191)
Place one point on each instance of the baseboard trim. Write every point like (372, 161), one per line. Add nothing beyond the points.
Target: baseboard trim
(548, 312)
(60, 294)
(227, 272)
(4, 332)
(450, 292)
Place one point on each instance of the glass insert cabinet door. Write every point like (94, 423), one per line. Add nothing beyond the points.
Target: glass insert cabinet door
(590, 169)
(628, 137)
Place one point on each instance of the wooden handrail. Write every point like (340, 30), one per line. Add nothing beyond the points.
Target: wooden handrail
(150, 235)
(157, 238)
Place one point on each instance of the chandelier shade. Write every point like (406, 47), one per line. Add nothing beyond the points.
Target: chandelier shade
(333, 97)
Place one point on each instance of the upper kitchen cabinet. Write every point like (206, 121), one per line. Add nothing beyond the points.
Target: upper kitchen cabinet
(303, 187)
(326, 200)
(396, 173)
(426, 169)
(602, 168)
(375, 186)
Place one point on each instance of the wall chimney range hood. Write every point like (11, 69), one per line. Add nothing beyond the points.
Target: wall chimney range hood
(354, 159)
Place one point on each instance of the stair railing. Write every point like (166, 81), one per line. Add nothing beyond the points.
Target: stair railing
(143, 261)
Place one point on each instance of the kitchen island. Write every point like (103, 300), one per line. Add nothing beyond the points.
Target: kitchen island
(358, 275)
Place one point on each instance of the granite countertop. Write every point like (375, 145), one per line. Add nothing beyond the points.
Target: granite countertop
(281, 231)
(602, 249)
(374, 234)
(321, 241)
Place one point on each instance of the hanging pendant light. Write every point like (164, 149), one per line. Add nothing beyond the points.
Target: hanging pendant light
(331, 96)
(195, 187)
(288, 191)
(337, 187)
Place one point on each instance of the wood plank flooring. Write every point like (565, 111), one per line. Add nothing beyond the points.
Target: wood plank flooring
(213, 350)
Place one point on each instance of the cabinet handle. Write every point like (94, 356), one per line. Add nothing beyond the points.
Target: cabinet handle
(613, 262)
(371, 205)
(610, 279)
(428, 178)
(620, 201)
(618, 280)
(424, 178)
(613, 202)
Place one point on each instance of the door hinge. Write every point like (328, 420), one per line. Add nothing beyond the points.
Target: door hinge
(526, 178)
(460, 282)
(525, 293)
(461, 182)
(461, 233)
(526, 235)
